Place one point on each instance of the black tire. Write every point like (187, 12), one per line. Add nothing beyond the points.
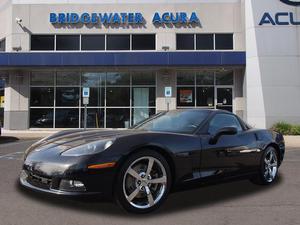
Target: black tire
(120, 185)
(261, 178)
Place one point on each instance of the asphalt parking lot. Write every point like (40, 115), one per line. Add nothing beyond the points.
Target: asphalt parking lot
(232, 203)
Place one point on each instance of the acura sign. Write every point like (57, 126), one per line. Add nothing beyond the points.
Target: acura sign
(291, 2)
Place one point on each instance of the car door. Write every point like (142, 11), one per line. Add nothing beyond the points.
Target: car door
(231, 153)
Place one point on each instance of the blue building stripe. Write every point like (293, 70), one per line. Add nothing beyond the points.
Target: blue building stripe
(190, 58)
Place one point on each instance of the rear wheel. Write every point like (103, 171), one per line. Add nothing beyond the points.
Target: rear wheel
(143, 182)
(269, 167)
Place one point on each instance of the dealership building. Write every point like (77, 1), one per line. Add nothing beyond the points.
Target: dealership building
(140, 57)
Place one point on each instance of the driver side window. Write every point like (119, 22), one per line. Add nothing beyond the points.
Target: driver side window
(223, 120)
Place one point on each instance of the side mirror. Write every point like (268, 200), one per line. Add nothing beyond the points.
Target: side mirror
(221, 132)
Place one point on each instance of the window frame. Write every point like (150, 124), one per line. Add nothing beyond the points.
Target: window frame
(214, 42)
(3, 42)
(215, 85)
(54, 42)
(80, 107)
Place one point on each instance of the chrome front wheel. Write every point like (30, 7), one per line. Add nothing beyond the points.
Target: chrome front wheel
(145, 182)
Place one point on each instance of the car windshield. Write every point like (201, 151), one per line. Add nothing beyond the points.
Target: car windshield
(175, 122)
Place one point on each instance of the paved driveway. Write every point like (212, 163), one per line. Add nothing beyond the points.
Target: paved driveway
(238, 203)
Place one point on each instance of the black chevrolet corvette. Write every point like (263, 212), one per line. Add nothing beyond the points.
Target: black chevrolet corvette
(140, 166)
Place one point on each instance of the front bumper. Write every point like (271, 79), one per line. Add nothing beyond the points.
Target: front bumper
(43, 178)
(25, 183)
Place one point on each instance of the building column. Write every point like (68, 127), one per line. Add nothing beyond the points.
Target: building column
(16, 106)
(165, 78)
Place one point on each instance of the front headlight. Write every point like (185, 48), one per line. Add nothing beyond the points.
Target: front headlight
(89, 149)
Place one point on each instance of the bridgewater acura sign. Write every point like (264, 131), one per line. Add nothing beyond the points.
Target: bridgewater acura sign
(123, 18)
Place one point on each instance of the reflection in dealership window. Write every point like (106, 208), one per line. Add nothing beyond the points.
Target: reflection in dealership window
(67, 96)
(140, 114)
(118, 78)
(66, 118)
(41, 118)
(93, 79)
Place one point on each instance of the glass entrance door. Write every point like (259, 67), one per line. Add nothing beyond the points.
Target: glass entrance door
(224, 98)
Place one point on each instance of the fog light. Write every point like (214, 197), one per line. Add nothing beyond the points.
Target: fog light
(71, 185)
(23, 175)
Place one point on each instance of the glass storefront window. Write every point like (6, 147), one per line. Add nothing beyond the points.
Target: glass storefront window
(95, 118)
(66, 118)
(143, 78)
(41, 96)
(204, 41)
(67, 42)
(185, 42)
(118, 118)
(41, 118)
(224, 78)
(205, 78)
(92, 42)
(93, 79)
(205, 96)
(2, 45)
(67, 79)
(142, 96)
(42, 42)
(185, 78)
(213, 89)
(117, 42)
(67, 96)
(117, 96)
(143, 42)
(185, 96)
(140, 114)
(118, 78)
(117, 99)
(42, 79)
(224, 41)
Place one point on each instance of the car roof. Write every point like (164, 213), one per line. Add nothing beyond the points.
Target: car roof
(204, 110)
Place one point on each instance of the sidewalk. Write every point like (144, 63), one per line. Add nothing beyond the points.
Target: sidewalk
(290, 141)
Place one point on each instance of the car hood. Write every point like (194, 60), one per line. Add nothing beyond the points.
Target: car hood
(65, 140)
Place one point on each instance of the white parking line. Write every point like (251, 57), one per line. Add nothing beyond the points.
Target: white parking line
(12, 156)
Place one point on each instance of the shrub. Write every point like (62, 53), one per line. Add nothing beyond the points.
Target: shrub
(286, 128)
